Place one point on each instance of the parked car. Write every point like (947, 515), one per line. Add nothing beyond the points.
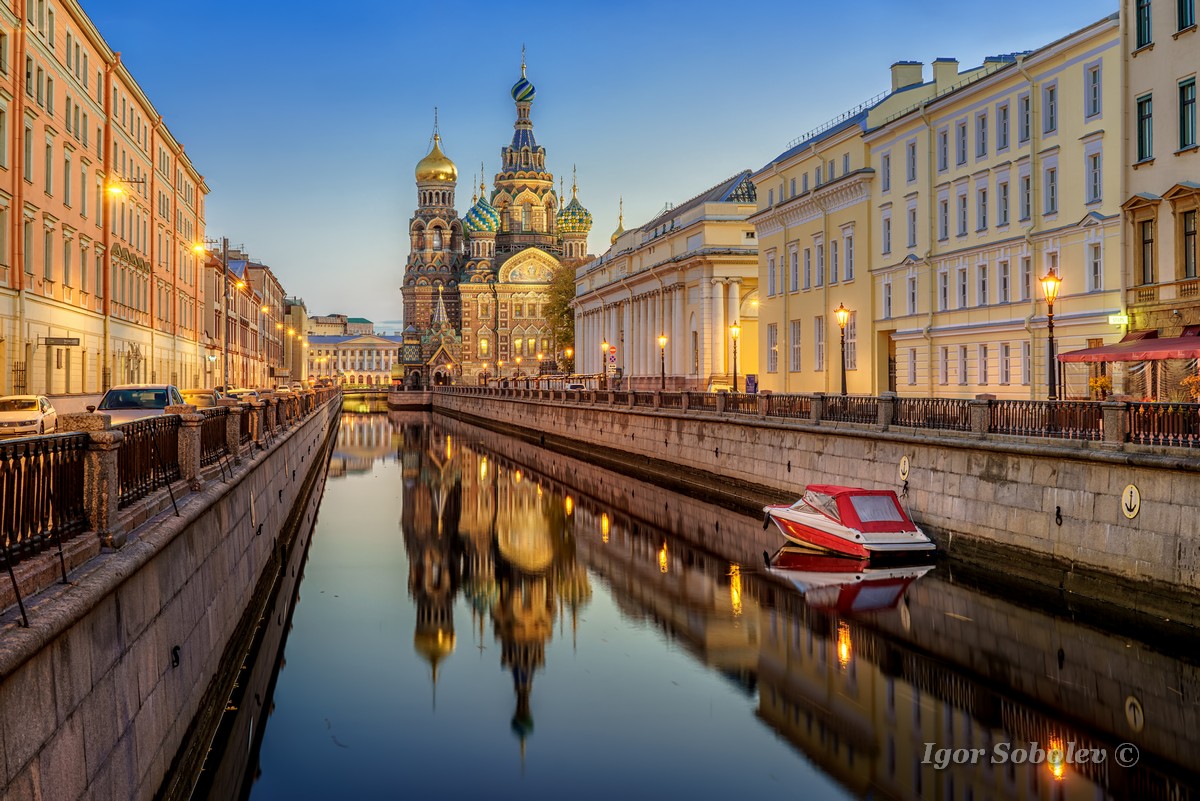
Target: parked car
(201, 398)
(575, 385)
(243, 394)
(136, 401)
(25, 415)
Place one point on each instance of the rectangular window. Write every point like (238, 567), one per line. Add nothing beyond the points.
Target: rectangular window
(1188, 223)
(960, 149)
(943, 156)
(796, 352)
(1024, 118)
(887, 301)
(911, 161)
(886, 234)
(1147, 251)
(1005, 291)
(845, 163)
(1026, 209)
(981, 365)
(848, 248)
(852, 342)
(1050, 109)
(962, 288)
(912, 227)
(819, 343)
(981, 290)
(1092, 92)
(981, 209)
(1002, 127)
(820, 264)
(771, 275)
(67, 175)
(944, 365)
(1095, 267)
(67, 252)
(833, 262)
(793, 270)
(49, 169)
(1025, 363)
(981, 129)
(1051, 190)
(807, 268)
(962, 365)
(912, 367)
(1095, 186)
(962, 214)
(773, 348)
(943, 219)
(1145, 128)
(1187, 114)
(48, 255)
(885, 171)
(912, 294)
(1005, 363)
(804, 182)
(943, 291)
(1002, 203)
(1185, 14)
(1026, 278)
(1142, 23)
(99, 276)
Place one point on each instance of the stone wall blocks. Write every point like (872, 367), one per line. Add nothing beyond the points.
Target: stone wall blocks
(32, 688)
(72, 665)
(99, 725)
(62, 768)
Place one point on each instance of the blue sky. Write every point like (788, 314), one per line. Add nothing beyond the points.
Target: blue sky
(307, 119)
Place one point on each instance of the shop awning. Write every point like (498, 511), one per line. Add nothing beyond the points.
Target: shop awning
(1138, 350)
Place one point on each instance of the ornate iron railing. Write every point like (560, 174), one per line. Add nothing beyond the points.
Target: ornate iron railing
(953, 414)
(213, 440)
(1057, 419)
(672, 400)
(706, 401)
(245, 428)
(794, 406)
(851, 409)
(148, 457)
(643, 399)
(1174, 424)
(621, 398)
(741, 403)
(41, 492)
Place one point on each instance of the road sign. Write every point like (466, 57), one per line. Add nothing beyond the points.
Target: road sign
(63, 341)
(612, 351)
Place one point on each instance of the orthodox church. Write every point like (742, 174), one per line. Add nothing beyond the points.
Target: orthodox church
(475, 287)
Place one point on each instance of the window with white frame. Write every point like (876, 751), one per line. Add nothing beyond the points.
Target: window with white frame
(943, 219)
(1005, 363)
(944, 365)
(1001, 127)
(1026, 197)
(1052, 262)
(962, 365)
(912, 366)
(1187, 112)
(852, 341)
(910, 160)
(804, 182)
(1095, 185)
(1051, 175)
(1024, 117)
(885, 172)
(912, 294)
(981, 208)
(981, 365)
(887, 300)
(981, 285)
(1050, 108)
(962, 212)
(960, 139)
(981, 129)
(819, 343)
(1002, 202)
(772, 347)
(885, 231)
(1185, 14)
(848, 254)
(1095, 267)
(963, 299)
(833, 261)
(770, 275)
(795, 346)
(793, 269)
(1025, 363)
(943, 149)
(807, 268)
(1005, 281)
(1093, 93)
(820, 272)
(845, 163)
(943, 290)
(912, 225)
(1025, 279)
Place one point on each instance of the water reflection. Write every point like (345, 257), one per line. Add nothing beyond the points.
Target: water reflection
(626, 601)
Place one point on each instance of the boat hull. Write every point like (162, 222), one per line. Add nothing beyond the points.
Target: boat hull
(815, 531)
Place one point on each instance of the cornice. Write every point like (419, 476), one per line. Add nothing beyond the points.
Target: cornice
(824, 200)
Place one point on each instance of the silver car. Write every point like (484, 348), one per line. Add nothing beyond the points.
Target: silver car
(135, 401)
(26, 415)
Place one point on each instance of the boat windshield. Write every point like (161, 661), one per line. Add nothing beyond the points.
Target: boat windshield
(825, 504)
(876, 508)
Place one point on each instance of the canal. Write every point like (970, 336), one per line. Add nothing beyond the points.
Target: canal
(479, 617)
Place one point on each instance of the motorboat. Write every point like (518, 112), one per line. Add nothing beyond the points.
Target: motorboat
(842, 584)
(850, 521)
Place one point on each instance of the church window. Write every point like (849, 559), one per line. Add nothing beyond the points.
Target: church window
(526, 214)
(518, 310)
(483, 347)
(437, 238)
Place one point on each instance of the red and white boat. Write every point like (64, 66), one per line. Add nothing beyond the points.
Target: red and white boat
(850, 521)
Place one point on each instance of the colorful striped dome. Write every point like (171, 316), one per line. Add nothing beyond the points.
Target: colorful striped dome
(573, 218)
(482, 218)
(523, 91)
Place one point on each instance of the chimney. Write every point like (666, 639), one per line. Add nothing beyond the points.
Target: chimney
(906, 74)
(945, 74)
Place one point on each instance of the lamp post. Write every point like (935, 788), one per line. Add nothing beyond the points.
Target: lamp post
(734, 331)
(517, 373)
(662, 360)
(225, 315)
(569, 356)
(843, 316)
(603, 363)
(1050, 285)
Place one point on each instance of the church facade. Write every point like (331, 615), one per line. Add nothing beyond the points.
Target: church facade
(475, 287)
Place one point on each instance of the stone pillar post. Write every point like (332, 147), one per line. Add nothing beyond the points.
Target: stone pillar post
(190, 422)
(816, 409)
(658, 399)
(722, 401)
(1115, 421)
(717, 334)
(233, 428)
(683, 400)
(101, 479)
(887, 409)
(981, 413)
(267, 407)
(762, 404)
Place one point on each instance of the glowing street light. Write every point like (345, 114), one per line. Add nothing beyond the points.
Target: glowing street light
(662, 360)
(734, 331)
(843, 317)
(1051, 282)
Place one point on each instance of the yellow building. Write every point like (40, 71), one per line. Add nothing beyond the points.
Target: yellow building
(688, 274)
(99, 208)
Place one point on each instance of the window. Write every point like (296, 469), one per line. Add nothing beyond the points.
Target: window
(796, 352)
(1094, 185)
(1188, 224)
(793, 270)
(3, 137)
(943, 219)
(885, 171)
(1002, 203)
(770, 274)
(1026, 197)
(1002, 127)
(912, 366)
(820, 264)
(911, 161)
(981, 209)
(962, 214)
(887, 300)
(804, 182)
(792, 188)
(1024, 118)
(1005, 363)
(1092, 93)
(944, 365)
(48, 255)
(1005, 292)
(49, 169)
(27, 244)
(960, 149)
(1026, 277)
(819, 343)
(1146, 231)
(1095, 267)
(912, 294)
(67, 175)
(886, 232)
(807, 268)
(1187, 114)
(981, 365)
(770, 197)
(1050, 108)
(943, 291)
(773, 348)
(1145, 128)
(1142, 22)
(67, 252)
(912, 226)
(1025, 363)
(981, 129)
(1051, 190)
(852, 342)
(962, 364)
(1185, 14)
(962, 288)
(981, 290)
(848, 250)
(943, 151)
(845, 163)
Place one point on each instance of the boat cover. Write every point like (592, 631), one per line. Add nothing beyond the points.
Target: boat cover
(860, 509)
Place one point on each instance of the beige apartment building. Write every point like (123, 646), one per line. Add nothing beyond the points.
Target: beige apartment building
(99, 208)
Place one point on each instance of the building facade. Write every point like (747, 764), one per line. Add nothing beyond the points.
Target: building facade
(99, 209)
(689, 275)
(475, 288)
(351, 359)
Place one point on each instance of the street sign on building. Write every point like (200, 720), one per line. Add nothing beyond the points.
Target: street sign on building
(66, 342)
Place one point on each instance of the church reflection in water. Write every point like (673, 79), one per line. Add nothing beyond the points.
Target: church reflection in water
(858, 672)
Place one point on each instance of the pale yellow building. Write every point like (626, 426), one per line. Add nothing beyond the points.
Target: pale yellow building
(688, 274)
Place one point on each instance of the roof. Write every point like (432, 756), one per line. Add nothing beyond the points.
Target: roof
(238, 267)
(358, 320)
(735, 189)
(1142, 349)
(338, 339)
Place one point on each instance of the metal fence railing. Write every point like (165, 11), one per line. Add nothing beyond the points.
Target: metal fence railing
(1058, 419)
(41, 492)
(148, 457)
(702, 400)
(1173, 424)
(245, 429)
(741, 403)
(953, 414)
(214, 441)
(794, 406)
(851, 408)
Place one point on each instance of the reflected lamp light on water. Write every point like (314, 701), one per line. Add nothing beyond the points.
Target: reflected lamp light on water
(483, 468)
(568, 505)
(1056, 760)
(448, 451)
(662, 558)
(604, 526)
(844, 647)
(735, 589)
(517, 477)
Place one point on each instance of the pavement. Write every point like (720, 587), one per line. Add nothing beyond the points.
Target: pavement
(69, 404)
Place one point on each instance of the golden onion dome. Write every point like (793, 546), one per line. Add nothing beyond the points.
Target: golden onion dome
(434, 645)
(437, 166)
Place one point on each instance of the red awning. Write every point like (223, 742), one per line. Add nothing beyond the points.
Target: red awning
(1138, 350)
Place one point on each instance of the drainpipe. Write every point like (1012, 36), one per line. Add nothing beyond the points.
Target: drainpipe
(825, 271)
(927, 332)
(1034, 160)
(18, 215)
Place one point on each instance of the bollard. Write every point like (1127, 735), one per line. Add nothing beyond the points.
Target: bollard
(101, 476)
(722, 401)
(887, 410)
(1115, 419)
(190, 422)
(816, 407)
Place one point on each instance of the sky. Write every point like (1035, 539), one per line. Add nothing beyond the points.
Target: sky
(307, 119)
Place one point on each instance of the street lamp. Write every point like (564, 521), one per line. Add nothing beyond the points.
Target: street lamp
(843, 316)
(201, 248)
(662, 360)
(517, 374)
(1050, 285)
(734, 330)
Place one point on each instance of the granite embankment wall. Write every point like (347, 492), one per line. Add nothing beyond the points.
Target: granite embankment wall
(98, 693)
(1045, 510)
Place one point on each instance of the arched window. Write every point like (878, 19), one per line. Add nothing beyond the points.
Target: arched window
(437, 239)
(526, 215)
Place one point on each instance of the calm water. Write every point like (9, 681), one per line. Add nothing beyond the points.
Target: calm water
(478, 618)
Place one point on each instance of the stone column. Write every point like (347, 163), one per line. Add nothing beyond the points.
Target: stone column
(101, 477)
(681, 354)
(717, 334)
(627, 341)
(887, 409)
(267, 407)
(816, 407)
(980, 409)
(190, 446)
(233, 428)
(1115, 421)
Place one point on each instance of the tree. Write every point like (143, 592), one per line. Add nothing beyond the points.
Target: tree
(559, 314)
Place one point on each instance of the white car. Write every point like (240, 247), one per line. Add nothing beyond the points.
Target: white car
(135, 401)
(26, 415)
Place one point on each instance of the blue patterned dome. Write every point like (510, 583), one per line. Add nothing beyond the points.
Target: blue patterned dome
(482, 218)
(573, 218)
(523, 91)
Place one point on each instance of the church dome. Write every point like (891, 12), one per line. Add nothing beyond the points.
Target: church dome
(523, 91)
(573, 218)
(482, 218)
(620, 225)
(437, 166)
